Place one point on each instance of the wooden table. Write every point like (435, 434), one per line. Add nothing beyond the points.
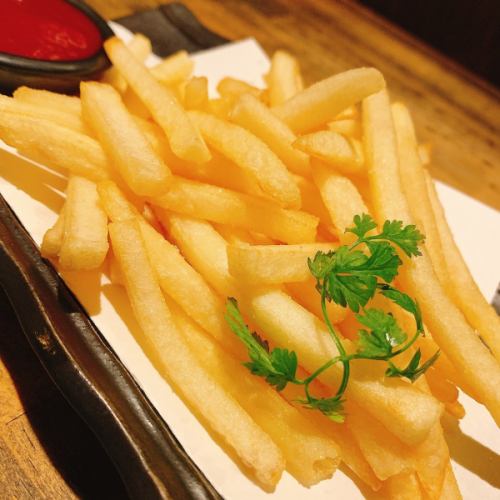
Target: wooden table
(45, 450)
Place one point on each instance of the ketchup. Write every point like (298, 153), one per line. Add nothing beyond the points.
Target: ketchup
(48, 30)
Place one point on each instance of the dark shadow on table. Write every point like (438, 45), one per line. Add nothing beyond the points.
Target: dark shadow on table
(471, 454)
(72, 448)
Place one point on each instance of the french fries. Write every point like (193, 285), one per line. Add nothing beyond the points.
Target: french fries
(414, 186)
(231, 89)
(250, 113)
(56, 146)
(62, 118)
(341, 198)
(306, 294)
(272, 264)
(128, 149)
(319, 103)
(346, 126)
(310, 455)
(183, 137)
(140, 46)
(200, 199)
(284, 79)
(287, 324)
(235, 209)
(51, 100)
(174, 69)
(196, 93)
(449, 327)
(332, 148)
(251, 155)
(211, 263)
(168, 351)
(53, 238)
(462, 287)
(85, 227)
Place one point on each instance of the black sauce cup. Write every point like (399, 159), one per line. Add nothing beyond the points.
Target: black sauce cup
(59, 76)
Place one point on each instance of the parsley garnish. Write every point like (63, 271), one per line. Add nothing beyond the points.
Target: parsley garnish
(349, 276)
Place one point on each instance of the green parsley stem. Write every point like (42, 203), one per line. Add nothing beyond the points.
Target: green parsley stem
(338, 343)
(321, 369)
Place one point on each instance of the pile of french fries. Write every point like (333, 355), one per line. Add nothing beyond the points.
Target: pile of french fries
(186, 200)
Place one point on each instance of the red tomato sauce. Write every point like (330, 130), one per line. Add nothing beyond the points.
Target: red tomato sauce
(48, 30)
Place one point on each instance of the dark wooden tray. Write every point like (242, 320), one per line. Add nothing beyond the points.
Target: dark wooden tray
(78, 359)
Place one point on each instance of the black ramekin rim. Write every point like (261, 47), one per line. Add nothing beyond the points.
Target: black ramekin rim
(26, 64)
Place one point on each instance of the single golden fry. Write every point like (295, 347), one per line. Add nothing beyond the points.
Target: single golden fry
(425, 153)
(220, 107)
(306, 294)
(386, 455)
(129, 150)
(350, 113)
(332, 148)
(415, 189)
(233, 88)
(448, 326)
(53, 238)
(204, 248)
(272, 264)
(341, 198)
(431, 459)
(346, 126)
(252, 114)
(140, 46)
(183, 137)
(284, 79)
(350, 451)
(404, 486)
(55, 146)
(251, 155)
(114, 271)
(174, 69)
(321, 102)
(236, 236)
(196, 93)
(135, 106)
(311, 202)
(114, 203)
(167, 350)
(85, 238)
(47, 99)
(62, 118)
(450, 489)
(235, 209)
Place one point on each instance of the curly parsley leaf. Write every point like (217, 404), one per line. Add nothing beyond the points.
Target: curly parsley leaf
(363, 224)
(385, 333)
(349, 277)
(383, 261)
(413, 370)
(405, 237)
(278, 367)
(404, 301)
(284, 363)
(321, 264)
(333, 408)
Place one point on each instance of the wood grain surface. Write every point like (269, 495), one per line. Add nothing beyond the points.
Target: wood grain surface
(45, 449)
